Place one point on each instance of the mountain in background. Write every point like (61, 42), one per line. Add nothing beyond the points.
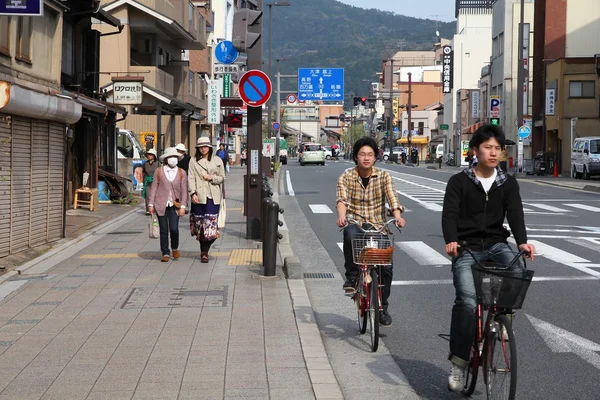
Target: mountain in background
(330, 34)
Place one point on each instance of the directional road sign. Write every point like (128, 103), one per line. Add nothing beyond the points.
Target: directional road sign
(255, 88)
(321, 84)
(524, 131)
(225, 53)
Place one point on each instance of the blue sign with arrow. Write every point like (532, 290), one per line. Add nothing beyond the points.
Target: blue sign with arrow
(225, 53)
(524, 132)
(325, 84)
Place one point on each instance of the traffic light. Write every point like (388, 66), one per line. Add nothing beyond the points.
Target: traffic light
(246, 29)
(356, 101)
(495, 121)
(363, 101)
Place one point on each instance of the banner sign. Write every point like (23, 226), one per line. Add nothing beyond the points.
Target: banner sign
(447, 71)
(22, 7)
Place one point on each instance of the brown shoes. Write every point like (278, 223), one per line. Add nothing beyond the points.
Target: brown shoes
(165, 258)
(204, 257)
(176, 254)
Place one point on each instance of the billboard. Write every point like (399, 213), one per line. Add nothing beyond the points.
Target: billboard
(22, 7)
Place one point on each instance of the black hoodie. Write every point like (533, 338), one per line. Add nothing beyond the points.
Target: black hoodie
(477, 217)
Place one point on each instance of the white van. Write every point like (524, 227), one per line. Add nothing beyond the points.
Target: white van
(439, 151)
(585, 157)
(128, 146)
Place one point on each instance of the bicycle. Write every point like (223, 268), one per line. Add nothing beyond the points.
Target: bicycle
(499, 291)
(371, 250)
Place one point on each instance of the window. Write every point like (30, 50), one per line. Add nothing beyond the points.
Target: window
(586, 146)
(68, 60)
(582, 89)
(24, 39)
(421, 128)
(161, 56)
(595, 146)
(5, 35)
(191, 9)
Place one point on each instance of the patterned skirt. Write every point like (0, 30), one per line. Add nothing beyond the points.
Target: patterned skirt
(203, 221)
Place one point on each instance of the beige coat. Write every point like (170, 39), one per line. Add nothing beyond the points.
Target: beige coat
(197, 184)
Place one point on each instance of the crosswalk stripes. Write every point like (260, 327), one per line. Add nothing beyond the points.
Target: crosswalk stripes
(422, 253)
(320, 209)
(583, 207)
(547, 207)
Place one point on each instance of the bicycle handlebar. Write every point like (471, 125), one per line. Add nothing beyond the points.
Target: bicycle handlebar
(463, 246)
(351, 220)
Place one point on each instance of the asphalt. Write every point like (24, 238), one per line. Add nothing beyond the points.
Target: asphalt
(101, 317)
(557, 329)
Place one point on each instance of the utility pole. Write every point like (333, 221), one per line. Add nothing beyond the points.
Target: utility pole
(520, 82)
(409, 109)
(390, 110)
(278, 112)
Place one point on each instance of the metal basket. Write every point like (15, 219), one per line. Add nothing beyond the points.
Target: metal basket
(372, 249)
(500, 287)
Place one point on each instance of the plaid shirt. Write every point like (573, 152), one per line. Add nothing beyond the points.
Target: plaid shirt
(367, 204)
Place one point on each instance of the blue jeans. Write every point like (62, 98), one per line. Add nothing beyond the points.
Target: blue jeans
(462, 326)
(169, 224)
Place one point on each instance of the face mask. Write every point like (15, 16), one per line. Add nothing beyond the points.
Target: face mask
(172, 162)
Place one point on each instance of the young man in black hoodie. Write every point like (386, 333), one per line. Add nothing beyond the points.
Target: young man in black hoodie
(476, 202)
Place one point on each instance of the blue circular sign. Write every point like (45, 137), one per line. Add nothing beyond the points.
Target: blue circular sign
(524, 131)
(276, 126)
(225, 53)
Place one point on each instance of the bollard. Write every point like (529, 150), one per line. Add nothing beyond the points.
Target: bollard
(271, 238)
(263, 218)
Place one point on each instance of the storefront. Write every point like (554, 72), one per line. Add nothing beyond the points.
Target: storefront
(420, 142)
(33, 133)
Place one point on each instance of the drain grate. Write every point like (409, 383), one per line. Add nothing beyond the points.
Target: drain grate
(318, 275)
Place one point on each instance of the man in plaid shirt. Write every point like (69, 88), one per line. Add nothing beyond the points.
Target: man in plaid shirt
(362, 192)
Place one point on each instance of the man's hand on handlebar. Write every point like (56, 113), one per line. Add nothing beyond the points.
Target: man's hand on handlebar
(400, 222)
(452, 249)
(529, 250)
(341, 221)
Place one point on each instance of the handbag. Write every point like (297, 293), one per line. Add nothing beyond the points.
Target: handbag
(222, 213)
(153, 228)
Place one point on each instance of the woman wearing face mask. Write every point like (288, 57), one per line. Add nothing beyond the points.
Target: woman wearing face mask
(206, 174)
(168, 199)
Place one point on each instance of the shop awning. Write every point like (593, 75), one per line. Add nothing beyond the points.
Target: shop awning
(471, 130)
(414, 140)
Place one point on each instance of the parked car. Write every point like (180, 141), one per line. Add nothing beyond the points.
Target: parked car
(283, 156)
(398, 150)
(327, 152)
(312, 153)
(585, 157)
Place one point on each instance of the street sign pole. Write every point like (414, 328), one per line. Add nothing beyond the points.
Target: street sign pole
(278, 116)
(254, 165)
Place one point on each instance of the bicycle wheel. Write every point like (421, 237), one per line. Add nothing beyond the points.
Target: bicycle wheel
(374, 309)
(472, 370)
(362, 304)
(500, 361)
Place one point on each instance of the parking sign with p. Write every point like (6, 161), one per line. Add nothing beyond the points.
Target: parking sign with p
(494, 106)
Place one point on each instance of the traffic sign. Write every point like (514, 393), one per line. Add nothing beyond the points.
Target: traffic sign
(291, 98)
(494, 107)
(255, 88)
(444, 127)
(321, 84)
(276, 126)
(225, 53)
(524, 131)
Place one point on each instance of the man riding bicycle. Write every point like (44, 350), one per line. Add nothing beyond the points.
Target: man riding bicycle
(476, 202)
(362, 192)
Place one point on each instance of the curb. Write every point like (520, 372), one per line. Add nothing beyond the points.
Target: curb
(587, 188)
(54, 256)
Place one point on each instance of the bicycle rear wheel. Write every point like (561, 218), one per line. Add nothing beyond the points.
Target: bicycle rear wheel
(500, 361)
(362, 304)
(374, 306)
(472, 370)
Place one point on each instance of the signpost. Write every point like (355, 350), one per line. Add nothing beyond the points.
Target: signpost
(524, 133)
(255, 88)
(444, 127)
(214, 103)
(276, 126)
(226, 85)
(269, 147)
(225, 53)
(291, 98)
(325, 84)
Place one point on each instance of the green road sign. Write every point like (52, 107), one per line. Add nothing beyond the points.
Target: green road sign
(495, 121)
(444, 127)
(226, 85)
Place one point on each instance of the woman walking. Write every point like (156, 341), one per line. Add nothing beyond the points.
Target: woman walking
(168, 198)
(148, 169)
(206, 175)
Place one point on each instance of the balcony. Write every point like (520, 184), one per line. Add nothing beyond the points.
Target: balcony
(156, 77)
(185, 83)
(165, 7)
(210, 20)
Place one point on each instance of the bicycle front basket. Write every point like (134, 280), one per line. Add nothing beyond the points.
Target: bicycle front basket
(501, 288)
(372, 249)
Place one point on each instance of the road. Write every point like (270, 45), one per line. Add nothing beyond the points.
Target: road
(558, 329)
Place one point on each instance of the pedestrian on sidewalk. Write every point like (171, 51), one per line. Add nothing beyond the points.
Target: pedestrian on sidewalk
(223, 154)
(148, 169)
(168, 199)
(205, 181)
(184, 163)
(244, 157)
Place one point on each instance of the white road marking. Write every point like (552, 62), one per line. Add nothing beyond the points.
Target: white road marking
(288, 180)
(555, 254)
(320, 209)
(562, 341)
(429, 206)
(547, 207)
(535, 279)
(341, 246)
(422, 253)
(583, 207)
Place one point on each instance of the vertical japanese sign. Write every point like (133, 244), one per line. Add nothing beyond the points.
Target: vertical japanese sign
(475, 104)
(526, 44)
(550, 101)
(226, 85)
(214, 103)
(447, 62)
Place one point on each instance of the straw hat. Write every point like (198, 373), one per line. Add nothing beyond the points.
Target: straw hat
(203, 142)
(153, 152)
(181, 147)
(170, 152)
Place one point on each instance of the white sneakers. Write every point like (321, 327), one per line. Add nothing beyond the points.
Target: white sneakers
(456, 380)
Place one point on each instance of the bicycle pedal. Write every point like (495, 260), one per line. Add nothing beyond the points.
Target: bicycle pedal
(350, 292)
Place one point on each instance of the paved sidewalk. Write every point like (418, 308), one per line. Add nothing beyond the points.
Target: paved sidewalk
(105, 319)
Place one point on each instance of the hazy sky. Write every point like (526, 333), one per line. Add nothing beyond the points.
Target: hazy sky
(442, 10)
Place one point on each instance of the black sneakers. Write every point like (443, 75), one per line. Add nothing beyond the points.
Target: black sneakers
(385, 319)
(349, 285)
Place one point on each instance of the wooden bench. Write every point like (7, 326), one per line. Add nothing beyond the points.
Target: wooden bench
(90, 201)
